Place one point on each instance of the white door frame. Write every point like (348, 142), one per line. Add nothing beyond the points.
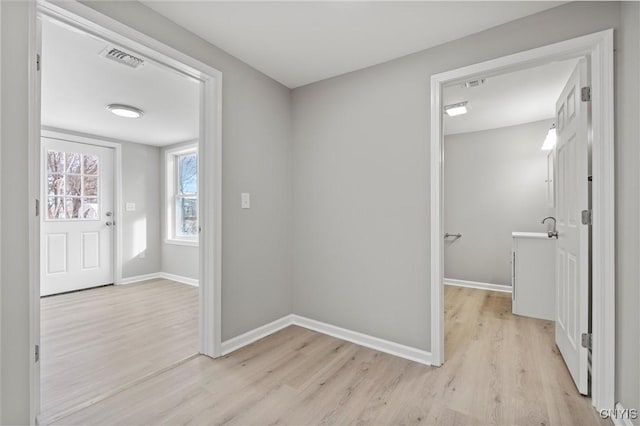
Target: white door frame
(69, 136)
(78, 15)
(598, 48)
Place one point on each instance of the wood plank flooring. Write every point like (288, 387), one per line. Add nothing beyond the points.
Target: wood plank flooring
(96, 341)
(500, 369)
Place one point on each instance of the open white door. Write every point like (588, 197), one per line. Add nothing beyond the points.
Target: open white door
(572, 247)
(77, 219)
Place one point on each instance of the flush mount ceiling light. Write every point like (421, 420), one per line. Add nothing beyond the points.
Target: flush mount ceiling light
(550, 140)
(456, 109)
(126, 111)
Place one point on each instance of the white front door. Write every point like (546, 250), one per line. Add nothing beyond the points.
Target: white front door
(77, 216)
(572, 246)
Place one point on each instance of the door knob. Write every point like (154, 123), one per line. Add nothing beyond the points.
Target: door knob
(109, 223)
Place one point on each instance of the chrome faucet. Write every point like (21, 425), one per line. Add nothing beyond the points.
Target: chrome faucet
(553, 233)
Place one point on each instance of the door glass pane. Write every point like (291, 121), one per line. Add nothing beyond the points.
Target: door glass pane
(90, 208)
(188, 215)
(188, 173)
(91, 185)
(55, 184)
(90, 165)
(73, 162)
(73, 207)
(73, 185)
(55, 162)
(55, 208)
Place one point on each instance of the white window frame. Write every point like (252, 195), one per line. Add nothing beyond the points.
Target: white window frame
(171, 194)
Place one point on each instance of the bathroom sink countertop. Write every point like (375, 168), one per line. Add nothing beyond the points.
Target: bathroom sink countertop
(542, 235)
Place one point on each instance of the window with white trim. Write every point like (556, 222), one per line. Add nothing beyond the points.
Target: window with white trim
(182, 195)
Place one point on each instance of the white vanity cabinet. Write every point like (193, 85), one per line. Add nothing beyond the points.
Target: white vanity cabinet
(533, 275)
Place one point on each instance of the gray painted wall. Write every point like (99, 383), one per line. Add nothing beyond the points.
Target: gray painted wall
(494, 184)
(627, 157)
(141, 185)
(361, 188)
(176, 259)
(180, 260)
(16, 351)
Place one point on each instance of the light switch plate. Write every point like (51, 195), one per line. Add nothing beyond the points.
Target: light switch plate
(130, 207)
(245, 200)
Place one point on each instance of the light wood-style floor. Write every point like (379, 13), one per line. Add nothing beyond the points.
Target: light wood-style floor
(500, 369)
(96, 341)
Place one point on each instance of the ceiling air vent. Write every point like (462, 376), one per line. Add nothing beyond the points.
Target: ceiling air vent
(122, 57)
(474, 83)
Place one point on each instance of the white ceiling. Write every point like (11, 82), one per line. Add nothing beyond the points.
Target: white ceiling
(509, 99)
(78, 84)
(300, 42)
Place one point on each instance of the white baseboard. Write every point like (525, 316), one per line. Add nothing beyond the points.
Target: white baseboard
(139, 278)
(402, 351)
(251, 336)
(159, 275)
(386, 346)
(621, 417)
(179, 278)
(478, 285)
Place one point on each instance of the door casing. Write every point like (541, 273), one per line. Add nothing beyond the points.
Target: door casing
(598, 49)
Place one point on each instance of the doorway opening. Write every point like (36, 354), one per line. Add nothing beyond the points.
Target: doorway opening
(128, 213)
(572, 278)
(511, 169)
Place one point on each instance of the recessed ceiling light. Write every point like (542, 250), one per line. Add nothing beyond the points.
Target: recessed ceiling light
(126, 111)
(550, 140)
(456, 109)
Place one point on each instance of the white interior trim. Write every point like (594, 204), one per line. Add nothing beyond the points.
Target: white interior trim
(386, 346)
(34, 151)
(256, 334)
(158, 276)
(479, 285)
(603, 229)
(178, 242)
(78, 15)
(169, 193)
(179, 279)
(599, 48)
(140, 278)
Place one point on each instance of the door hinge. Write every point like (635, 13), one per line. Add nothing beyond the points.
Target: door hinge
(585, 94)
(586, 217)
(586, 340)
(38, 62)
(37, 353)
(37, 207)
